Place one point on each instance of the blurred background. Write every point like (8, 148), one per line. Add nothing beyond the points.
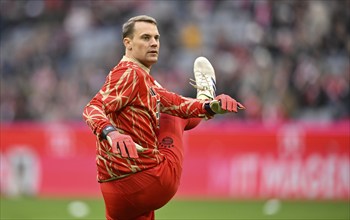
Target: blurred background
(283, 59)
(286, 61)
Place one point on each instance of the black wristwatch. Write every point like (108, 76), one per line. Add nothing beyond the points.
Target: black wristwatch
(208, 109)
(106, 130)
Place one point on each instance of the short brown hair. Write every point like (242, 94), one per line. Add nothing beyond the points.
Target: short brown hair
(128, 27)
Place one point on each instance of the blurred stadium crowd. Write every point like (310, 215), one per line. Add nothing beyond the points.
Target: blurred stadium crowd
(284, 59)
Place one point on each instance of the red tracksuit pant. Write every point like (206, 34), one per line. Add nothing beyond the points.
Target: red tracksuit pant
(137, 196)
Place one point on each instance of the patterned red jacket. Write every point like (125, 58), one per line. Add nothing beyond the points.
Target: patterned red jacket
(131, 100)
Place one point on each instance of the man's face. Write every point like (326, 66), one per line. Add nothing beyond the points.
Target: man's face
(144, 46)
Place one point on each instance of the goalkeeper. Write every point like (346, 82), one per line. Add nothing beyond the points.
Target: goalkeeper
(139, 125)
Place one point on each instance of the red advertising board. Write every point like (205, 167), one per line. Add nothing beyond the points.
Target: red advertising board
(232, 160)
(293, 161)
(59, 159)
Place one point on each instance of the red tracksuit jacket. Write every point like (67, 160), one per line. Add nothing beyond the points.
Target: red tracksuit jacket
(131, 100)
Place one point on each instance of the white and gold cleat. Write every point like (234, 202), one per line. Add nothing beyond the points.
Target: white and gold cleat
(205, 80)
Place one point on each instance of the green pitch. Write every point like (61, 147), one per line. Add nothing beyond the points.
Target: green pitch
(82, 208)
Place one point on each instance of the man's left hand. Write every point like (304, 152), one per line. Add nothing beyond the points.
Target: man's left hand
(223, 104)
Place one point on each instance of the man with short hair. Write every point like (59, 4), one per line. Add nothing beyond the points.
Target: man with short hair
(139, 125)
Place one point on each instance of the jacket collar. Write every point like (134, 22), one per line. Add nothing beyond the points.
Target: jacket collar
(128, 59)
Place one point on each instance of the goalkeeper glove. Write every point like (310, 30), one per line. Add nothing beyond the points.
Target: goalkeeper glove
(120, 143)
(223, 104)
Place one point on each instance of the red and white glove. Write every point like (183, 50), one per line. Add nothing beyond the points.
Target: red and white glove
(122, 144)
(224, 104)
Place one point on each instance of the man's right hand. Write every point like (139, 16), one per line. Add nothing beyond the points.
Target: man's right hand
(122, 144)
